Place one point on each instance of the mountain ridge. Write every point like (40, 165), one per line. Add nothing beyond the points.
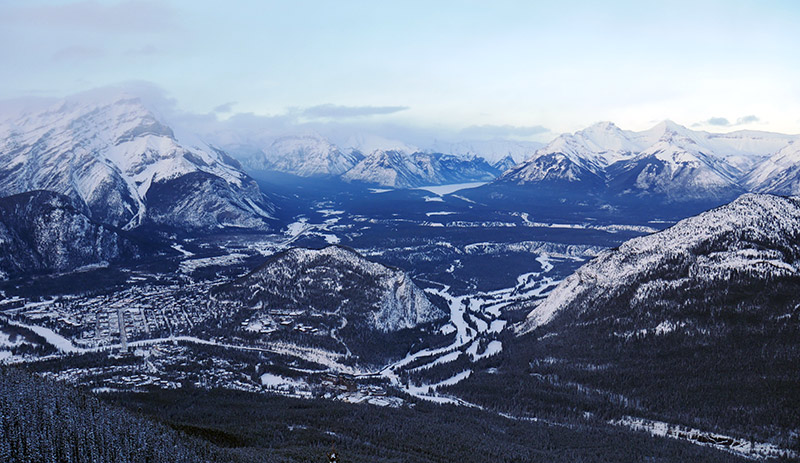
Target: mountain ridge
(668, 161)
(107, 151)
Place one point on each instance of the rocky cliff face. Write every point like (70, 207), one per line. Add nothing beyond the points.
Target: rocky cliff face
(42, 231)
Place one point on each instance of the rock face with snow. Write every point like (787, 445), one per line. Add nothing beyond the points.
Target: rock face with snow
(668, 161)
(336, 280)
(655, 278)
(124, 167)
(42, 231)
(397, 169)
(306, 156)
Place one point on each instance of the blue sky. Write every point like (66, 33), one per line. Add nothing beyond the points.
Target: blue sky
(522, 69)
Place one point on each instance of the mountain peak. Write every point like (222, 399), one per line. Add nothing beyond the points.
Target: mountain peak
(107, 148)
(603, 125)
(668, 125)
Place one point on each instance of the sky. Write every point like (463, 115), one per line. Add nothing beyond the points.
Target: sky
(474, 69)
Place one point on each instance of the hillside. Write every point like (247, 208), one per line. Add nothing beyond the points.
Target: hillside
(336, 294)
(696, 325)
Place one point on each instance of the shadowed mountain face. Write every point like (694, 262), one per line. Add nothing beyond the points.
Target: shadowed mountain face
(110, 154)
(42, 231)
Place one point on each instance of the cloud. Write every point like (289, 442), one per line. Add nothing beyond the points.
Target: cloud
(719, 121)
(724, 122)
(481, 132)
(332, 111)
(78, 53)
(225, 107)
(128, 16)
(747, 120)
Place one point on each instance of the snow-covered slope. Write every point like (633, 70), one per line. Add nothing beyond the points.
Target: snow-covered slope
(41, 231)
(336, 280)
(306, 156)
(757, 236)
(504, 164)
(779, 174)
(108, 152)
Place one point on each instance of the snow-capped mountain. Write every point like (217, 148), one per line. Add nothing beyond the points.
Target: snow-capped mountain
(338, 281)
(379, 161)
(124, 166)
(755, 237)
(388, 168)
(41, 231)
(397, 169)
(675, 167)
(306, 156)
(667, 160)
(578, 157)
(493, 151)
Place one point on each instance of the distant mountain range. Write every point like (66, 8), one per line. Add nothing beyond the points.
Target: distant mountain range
(374, 162)
(668, 162)
(125, 167)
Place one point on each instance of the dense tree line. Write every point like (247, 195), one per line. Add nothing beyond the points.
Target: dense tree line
(44, 422)
(304, 430)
